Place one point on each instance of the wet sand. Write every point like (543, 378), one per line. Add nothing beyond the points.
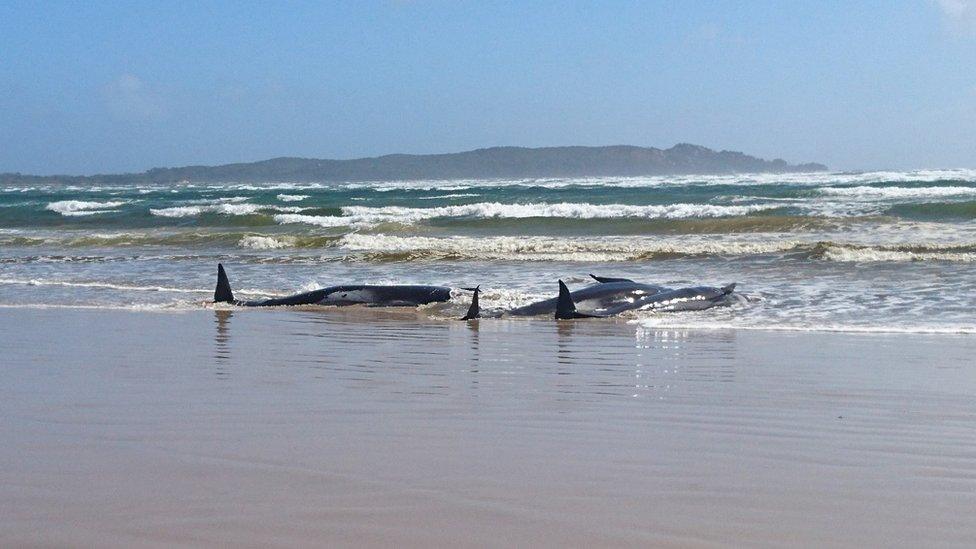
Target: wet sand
(385, 428)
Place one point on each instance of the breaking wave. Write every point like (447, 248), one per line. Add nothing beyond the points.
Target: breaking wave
(897, 192)
(449, 195)
(909, 243)
(258, 242)
(225, 208)
(182, 239)
(381, 247)
(77, 208)
(538, 248)
(354, 216)
(853, 253)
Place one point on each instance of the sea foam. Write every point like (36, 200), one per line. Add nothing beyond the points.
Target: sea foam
(223, 208)
(259, 242)
(355, 216)
(897, 192)
(540, 248)
(81, 207)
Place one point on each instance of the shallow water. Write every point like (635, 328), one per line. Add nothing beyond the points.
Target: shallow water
(880, 251)
(361, 427)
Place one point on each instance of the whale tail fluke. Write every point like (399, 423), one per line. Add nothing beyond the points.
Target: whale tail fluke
(565, 307)
(474, 311)
(607, 279)
(223, 293)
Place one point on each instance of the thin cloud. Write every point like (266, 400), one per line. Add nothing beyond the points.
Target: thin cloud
(128, 97)
(959, 13)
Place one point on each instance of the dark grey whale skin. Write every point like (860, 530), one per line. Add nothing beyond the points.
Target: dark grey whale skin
(598, 296)
(360, 294)
(351, 294)
(696, 298)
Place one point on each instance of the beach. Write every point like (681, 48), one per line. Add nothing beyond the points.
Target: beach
(395, 427)
(488, 274)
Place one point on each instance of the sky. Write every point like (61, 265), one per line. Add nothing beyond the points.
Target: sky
(99, 87)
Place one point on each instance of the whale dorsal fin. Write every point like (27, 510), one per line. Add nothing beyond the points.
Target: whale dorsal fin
(223, 293)
(607, 279)
(726, 290)
(474, 311)
(565, 307)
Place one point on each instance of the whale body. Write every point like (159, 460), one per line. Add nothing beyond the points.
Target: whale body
(350, 294)
(604, 294)
(697, 298)
(612, 296)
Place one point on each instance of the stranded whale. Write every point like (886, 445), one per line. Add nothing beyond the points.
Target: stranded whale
(696, 298)
(612, 296)
(354, 294)
(607, 292)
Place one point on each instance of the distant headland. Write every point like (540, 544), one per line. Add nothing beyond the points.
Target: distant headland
(489, 163)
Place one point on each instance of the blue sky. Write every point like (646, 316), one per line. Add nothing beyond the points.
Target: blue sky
(104, 87)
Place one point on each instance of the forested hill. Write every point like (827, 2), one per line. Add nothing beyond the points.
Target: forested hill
(490, 163)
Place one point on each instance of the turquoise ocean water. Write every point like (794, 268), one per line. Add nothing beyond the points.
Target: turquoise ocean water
(879, 251)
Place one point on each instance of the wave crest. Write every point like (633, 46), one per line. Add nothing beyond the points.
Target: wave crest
(224, 208)
(539, 248)
(259, 242)
(853, 253)
(382, 247)
(359, 216)
(75, 208)
(869, 192)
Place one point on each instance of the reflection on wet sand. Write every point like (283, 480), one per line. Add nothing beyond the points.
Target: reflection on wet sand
(222, 347)
(683, 355)
(377, 349)
(474, 327)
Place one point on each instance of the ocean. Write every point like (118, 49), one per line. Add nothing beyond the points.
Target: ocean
(859, 252)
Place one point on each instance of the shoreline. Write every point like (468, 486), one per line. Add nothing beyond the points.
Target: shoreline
(647, 323)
